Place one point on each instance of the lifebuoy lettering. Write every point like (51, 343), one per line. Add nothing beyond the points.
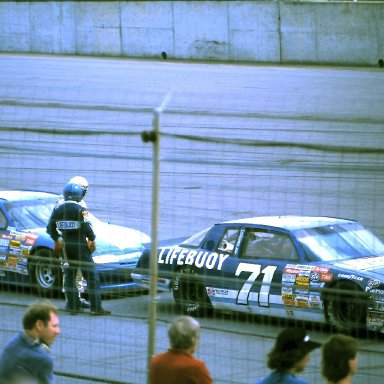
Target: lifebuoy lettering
(185, 256)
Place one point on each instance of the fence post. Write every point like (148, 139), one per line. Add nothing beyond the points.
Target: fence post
(154, 137)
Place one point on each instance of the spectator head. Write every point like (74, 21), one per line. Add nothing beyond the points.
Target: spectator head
(184, 333)
(339, 357)
(38, 311)
(41, 322)
(292, 346)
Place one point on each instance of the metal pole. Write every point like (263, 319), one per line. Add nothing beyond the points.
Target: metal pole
(155, 138)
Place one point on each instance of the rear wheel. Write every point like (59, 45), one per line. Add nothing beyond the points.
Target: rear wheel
(46, 276)
(190, 294)
(346, 307)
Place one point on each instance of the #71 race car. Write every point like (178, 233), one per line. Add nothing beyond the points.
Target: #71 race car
(26, 250)
(321, 269)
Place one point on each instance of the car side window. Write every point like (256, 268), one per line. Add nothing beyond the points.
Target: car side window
(228, 242)
(3, 221)
(268, 245)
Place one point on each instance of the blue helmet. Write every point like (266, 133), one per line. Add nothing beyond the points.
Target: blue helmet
(73, 191)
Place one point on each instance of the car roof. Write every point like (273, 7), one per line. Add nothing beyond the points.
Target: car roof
(18, 195)
(290, 222)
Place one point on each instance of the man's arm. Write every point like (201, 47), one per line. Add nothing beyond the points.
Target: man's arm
(51, 227)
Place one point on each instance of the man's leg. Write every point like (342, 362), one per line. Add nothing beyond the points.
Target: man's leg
(71, 288)
(90, 274)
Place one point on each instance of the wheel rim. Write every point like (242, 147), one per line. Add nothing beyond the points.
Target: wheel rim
(45, 275)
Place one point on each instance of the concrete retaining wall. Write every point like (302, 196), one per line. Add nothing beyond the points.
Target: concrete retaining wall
(341, 33)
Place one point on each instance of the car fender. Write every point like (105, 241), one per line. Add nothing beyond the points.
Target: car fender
(42, 241)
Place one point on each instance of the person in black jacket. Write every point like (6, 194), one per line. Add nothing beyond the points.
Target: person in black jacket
(83, 182)
(69, 225)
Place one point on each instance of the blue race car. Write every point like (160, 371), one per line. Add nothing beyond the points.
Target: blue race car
(320, 269)
(26, 250)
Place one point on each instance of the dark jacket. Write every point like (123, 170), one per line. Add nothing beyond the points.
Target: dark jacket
(70, 221)
(24, 359)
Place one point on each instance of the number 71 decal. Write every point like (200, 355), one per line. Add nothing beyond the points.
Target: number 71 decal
(255, 270)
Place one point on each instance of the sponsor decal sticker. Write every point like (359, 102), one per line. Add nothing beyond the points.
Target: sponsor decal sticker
(326, 277)
(373, 283)
(288, 278)
(15, 251)
(288, 299)
(15, 244)
(293, 271)
(349, 276)
(302, 280)
(314, 276)
(217, 292)
(287, 291)
(302, 301)
(30, 239)
(316, 284)
(12, 262)
(4, 242)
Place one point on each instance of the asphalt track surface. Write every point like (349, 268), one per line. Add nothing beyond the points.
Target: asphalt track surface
(236, 141)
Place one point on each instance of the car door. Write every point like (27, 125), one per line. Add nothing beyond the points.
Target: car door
(251, 279)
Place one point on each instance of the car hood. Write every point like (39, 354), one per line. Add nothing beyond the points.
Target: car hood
(118, 244)
(114, 243)
(369, 266)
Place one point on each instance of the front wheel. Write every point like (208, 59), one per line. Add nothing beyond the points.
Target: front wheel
(46, 275)
(346, 307)
(189, 293)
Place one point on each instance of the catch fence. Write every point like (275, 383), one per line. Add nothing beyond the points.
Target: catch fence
(214, 164)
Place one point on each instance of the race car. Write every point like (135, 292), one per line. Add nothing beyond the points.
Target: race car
(321, 269)
(26, 250)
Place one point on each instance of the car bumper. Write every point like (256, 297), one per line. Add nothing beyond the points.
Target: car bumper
(144, 282)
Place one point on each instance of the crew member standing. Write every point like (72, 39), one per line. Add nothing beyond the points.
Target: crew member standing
(83, 182)
(70, 220)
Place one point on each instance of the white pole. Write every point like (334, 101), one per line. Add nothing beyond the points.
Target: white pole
(155, 138)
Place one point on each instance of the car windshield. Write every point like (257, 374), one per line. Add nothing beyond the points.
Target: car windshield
(195, 240)
(30, 214)
(339, 242)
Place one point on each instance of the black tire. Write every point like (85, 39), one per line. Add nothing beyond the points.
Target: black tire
(46, 275)
(346, 307)
(190, 294)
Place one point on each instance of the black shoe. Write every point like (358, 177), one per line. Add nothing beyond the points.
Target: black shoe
(100, 312)
(74, 311)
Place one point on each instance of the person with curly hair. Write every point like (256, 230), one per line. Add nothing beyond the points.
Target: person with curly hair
(289, 356)
(339, 359)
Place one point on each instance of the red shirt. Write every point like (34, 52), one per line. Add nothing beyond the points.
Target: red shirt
(178, 367)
